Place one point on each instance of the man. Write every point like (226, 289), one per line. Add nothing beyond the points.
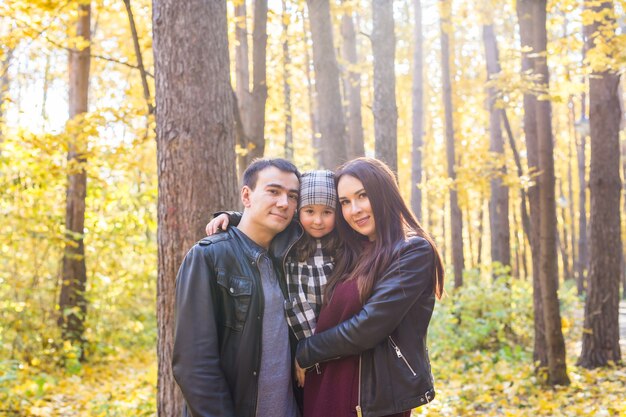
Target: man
(231, 348)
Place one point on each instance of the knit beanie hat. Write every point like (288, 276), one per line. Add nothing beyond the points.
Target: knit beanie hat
(318, 187)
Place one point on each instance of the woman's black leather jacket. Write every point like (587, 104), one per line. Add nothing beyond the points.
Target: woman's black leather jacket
(389, 334)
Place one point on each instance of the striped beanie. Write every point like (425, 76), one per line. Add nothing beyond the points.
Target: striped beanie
(318, 187)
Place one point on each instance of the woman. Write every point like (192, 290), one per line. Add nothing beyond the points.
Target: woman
(370, 340)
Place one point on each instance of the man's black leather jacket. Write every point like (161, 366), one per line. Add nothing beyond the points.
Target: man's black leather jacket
(219, 305)
(389, 334)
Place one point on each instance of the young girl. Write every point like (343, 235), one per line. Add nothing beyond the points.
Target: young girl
(371, 333)
(310, 261)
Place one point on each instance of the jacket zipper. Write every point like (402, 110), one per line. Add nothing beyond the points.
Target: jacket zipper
(400, 355)
(286, 286)
(261, 314)
(359, 413)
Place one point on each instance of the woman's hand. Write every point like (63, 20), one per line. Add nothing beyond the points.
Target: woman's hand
(300, 374)
(217, 224)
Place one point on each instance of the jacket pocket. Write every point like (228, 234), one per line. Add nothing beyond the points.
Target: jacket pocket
(401, 356)
(237, 292)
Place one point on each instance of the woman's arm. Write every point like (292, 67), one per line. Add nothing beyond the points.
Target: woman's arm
(405, 281)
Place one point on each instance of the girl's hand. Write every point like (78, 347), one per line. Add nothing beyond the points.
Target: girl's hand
(217, 224)
(300, 374)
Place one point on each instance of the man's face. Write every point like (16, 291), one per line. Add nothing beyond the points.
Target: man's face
(272, 203)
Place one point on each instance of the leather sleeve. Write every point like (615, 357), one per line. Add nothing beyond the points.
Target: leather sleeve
(195, 359)
(234, 217)
(408, 278)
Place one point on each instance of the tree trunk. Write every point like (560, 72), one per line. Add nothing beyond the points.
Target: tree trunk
(581, 261)
(384, 106)
(456, 221)
(548, 271)
(570, 189)
(255, 130)
(286, 85)
(312, 100)
(623, 153)
(242, 78)
(251, 104)
(352, 82)
(601, 329)
(499, 201)
(44, 93)
(195, 149)
(481, 226)
(4, 88)
(563, 240)
(417, 130)
(520, 172)
(72, 303)
(142, 69)
(470, 238)
(571, 145)
(331, 121)
(525, 17)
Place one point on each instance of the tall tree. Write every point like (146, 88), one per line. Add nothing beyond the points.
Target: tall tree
(582, 128)
(384, 106)
(72, 302)
(352, 82)
(456, 220)
(548, 267)
(623, 152)
(287, 85)
(254, 122)
(242, 79)
(331, 122)
(5, 62)
(417, 114)
(313, 113)
(525, 18)
(499, 201)
(581, 260)
(195, 149)
(601, 329)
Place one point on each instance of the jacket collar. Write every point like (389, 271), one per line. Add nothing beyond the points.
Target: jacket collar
(249, 246)
(284, 241)
(280, 246)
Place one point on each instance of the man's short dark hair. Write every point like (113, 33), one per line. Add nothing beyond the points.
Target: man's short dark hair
(251, 173)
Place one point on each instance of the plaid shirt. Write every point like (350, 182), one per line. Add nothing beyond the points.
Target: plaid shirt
(305, 287)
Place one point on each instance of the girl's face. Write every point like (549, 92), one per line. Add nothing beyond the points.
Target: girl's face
(355, 206)
(317, 220)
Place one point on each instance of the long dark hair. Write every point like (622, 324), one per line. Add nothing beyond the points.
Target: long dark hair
(394, 223)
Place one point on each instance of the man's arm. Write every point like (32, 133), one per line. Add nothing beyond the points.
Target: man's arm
(195, 359)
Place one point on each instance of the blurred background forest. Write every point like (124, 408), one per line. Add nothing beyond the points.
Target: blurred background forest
(124, 125)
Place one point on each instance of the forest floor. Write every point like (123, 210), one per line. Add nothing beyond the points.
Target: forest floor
(478, 383)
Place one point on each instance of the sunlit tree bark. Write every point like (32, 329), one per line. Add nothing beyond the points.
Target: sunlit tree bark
(286, 85)
(195, 150)
(601, 329)
(456, 221)
(384, 107)
(72, 303)
(525, 17)
(417, 129)
(331, 121)
(352, 81)
(499, 201)
(548, 267)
